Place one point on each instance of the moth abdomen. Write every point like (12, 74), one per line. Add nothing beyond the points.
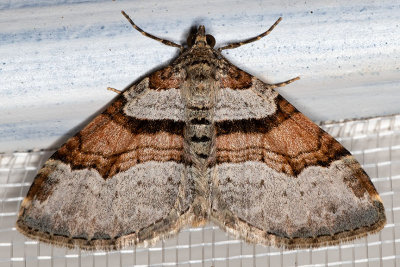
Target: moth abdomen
(199, 132)
(200, 138)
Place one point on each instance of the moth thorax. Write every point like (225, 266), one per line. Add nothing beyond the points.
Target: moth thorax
(200, 71)
(199, 96)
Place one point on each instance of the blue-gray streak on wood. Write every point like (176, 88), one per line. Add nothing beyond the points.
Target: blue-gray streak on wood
(57, 57)
(14, 4)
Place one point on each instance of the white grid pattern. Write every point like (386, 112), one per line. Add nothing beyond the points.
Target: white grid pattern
(374, 142)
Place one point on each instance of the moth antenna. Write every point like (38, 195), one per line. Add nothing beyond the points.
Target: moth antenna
(272, 86)
(114, 90)
(258, 37)
(166, 42)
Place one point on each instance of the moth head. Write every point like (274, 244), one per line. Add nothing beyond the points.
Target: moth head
(200, 38)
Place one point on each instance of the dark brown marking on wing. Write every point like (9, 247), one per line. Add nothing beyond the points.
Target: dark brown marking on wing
(284, 111)
(37, 189)
(165, 78)
(113, 142)
(236, 79)
(359, 182)
(286, 141)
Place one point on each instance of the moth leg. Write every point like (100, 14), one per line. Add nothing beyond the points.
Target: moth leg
(275, 85)
(114, 90)
(166, 42)
(258, 37)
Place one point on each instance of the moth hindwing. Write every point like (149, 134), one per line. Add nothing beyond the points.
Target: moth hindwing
(201, 140)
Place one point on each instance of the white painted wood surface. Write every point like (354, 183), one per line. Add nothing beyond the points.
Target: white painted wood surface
(58, 57)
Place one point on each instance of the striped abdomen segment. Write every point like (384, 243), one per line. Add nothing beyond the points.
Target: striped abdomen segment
(199, 132)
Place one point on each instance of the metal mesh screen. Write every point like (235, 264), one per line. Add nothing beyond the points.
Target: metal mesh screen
(374, 142)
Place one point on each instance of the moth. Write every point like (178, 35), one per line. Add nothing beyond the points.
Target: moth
(196, 141)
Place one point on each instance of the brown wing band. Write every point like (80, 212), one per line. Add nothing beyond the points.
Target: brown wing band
(286, 141)
(236, 79)
(114, 142)
(165, 78)
(284, 112)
